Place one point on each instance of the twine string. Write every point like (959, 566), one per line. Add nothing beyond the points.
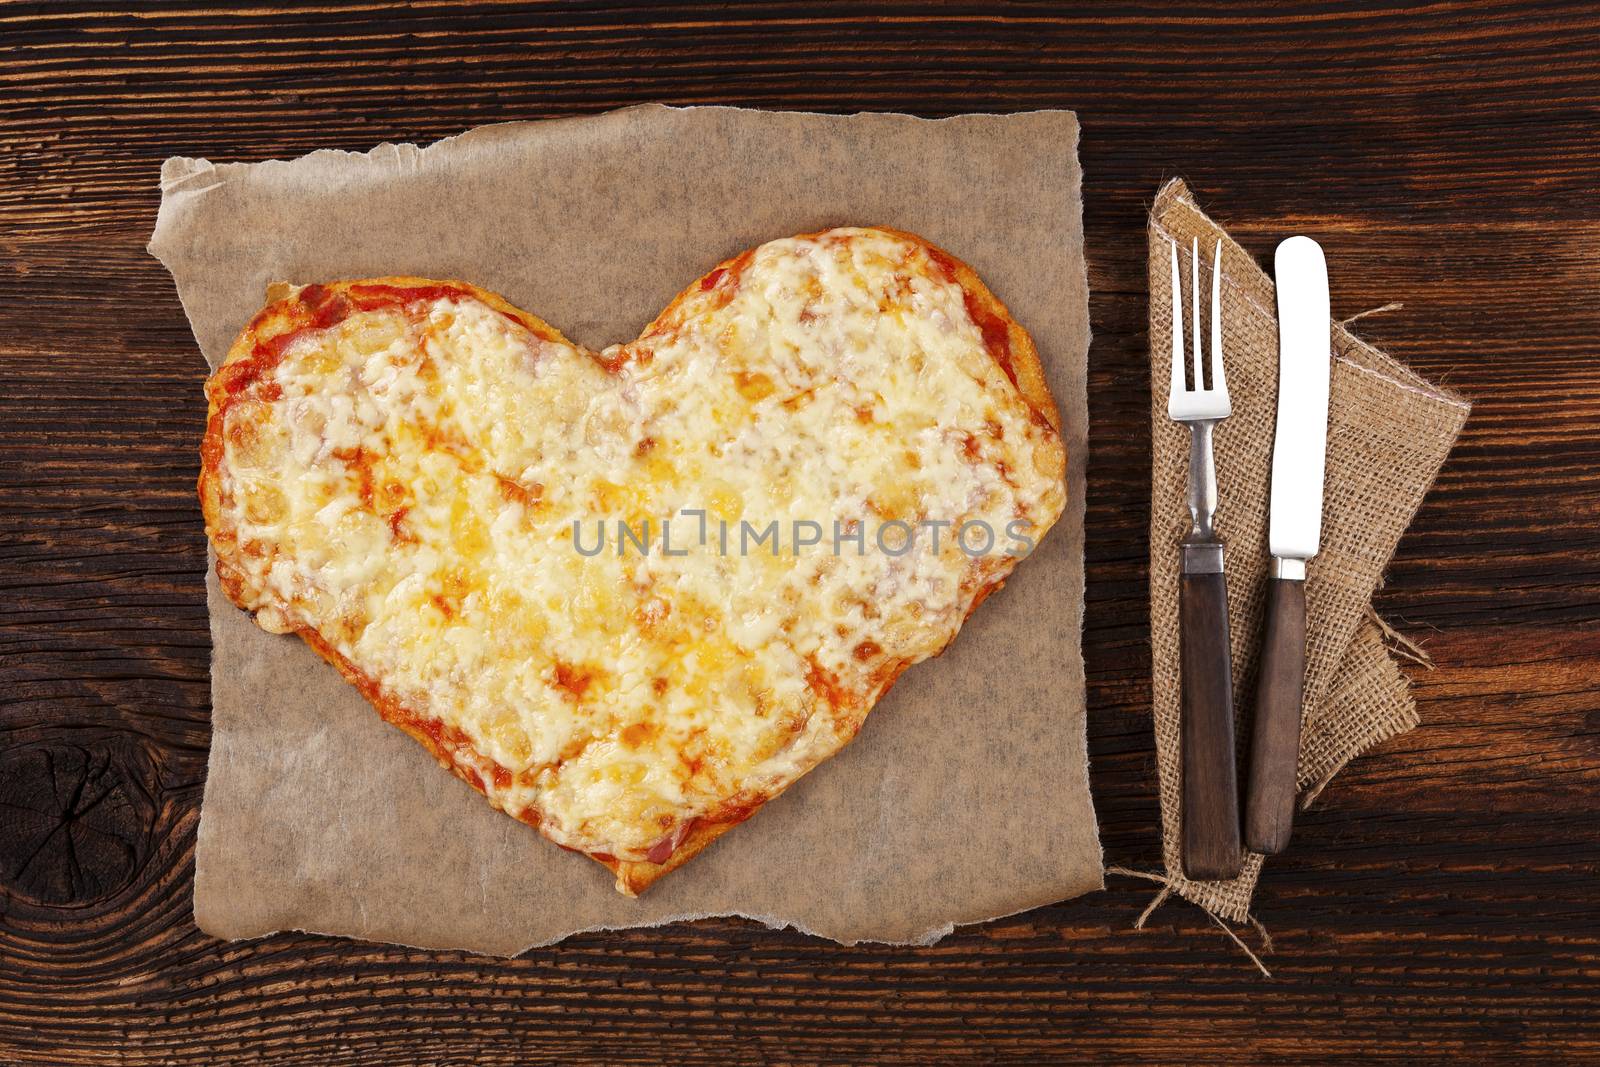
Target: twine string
(1170, 886)
(1393, 305)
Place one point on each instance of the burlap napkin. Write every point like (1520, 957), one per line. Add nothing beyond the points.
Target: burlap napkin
(1388, 434)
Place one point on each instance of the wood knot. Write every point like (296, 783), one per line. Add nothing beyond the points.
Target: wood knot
(75, 820)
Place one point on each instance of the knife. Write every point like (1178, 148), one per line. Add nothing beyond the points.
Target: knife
(1299, 454)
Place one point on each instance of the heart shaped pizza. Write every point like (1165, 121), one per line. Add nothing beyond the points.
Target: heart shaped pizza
(631, 595)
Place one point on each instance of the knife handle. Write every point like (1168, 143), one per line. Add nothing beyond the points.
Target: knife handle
(1210, 782)
(1275, 741)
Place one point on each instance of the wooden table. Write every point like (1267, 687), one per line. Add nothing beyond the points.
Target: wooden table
(1441, 900)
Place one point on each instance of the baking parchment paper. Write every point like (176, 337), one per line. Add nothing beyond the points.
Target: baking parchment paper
(966, 795)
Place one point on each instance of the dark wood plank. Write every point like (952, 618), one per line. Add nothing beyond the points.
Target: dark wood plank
(1440, 900)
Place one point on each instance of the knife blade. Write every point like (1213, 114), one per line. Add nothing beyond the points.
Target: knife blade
(1299, 458)
(1299, 450)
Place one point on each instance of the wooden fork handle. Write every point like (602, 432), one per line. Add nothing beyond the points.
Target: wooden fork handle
(1275, 736)
(1210, 783)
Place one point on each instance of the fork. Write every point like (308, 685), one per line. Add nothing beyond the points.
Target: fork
(1211, 847)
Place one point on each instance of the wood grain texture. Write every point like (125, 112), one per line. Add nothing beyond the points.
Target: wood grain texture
(1210, 777)
(1439, 900)
(1275, 727)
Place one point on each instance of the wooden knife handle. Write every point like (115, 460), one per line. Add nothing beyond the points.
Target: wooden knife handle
(1275, 739)
(1210, 783)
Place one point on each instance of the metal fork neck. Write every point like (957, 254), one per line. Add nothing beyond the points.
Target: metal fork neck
(1202, 482)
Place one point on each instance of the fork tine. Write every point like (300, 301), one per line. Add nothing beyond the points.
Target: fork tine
(1177, 329)
(1219, 381)
(1194, 323)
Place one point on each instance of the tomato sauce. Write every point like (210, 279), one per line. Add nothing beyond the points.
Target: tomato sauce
(996, 334)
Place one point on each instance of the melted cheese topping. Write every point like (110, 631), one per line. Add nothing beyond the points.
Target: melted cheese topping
(405, 483)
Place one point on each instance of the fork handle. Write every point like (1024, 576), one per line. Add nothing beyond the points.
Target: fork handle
(1210, 782)
(1275, 736)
